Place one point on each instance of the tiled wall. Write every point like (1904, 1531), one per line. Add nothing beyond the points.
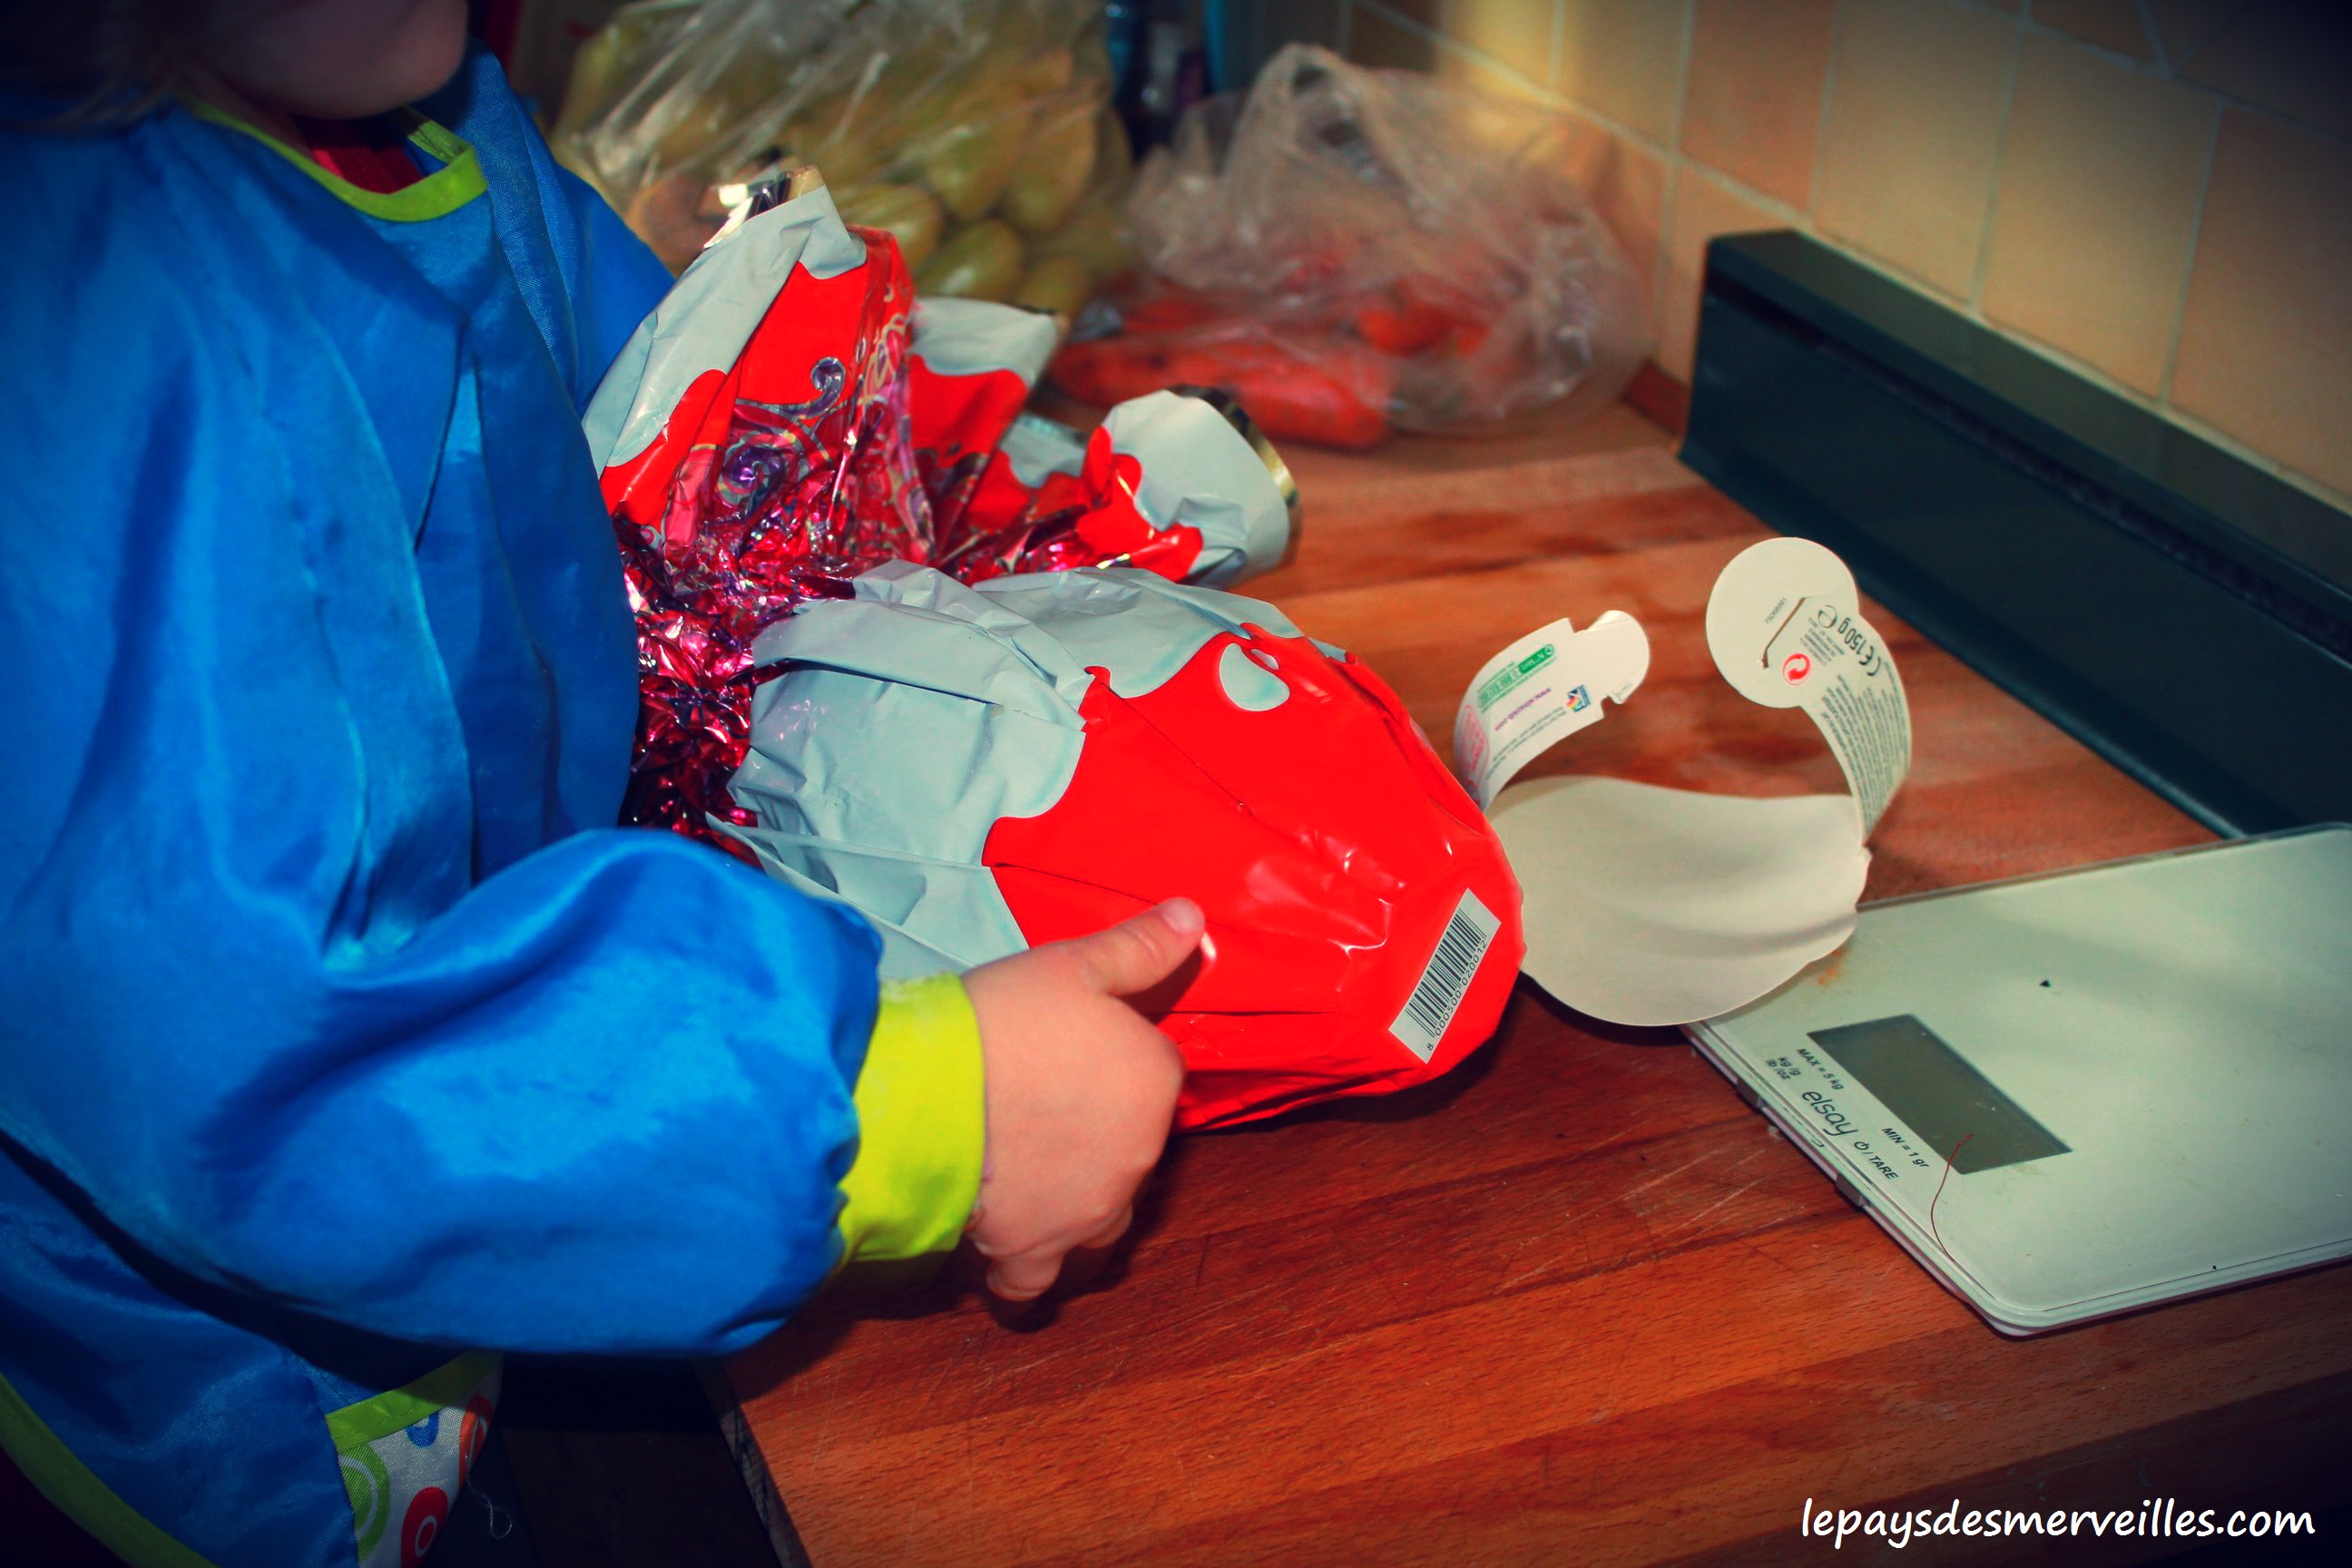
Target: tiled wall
(2158, 192)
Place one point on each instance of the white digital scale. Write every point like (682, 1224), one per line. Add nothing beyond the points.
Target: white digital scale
(2131, 1082)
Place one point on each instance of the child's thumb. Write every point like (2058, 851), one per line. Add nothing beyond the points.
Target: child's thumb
(1138, 953)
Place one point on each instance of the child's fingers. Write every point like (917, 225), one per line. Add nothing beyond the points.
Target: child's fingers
(1023, 1276)
(1138, 953)
(1114, 1230)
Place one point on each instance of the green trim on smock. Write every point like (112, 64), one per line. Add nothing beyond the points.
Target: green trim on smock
(921, 1124)
(444, 1388)
(436, 194)
(89, 1502)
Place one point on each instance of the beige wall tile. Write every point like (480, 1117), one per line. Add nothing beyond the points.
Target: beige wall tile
(1623, 58)
(1915, 102)
(1517, 33)
(1704, 207)
(1374, 40)
(1626, 184)
(2266, 344)
(1753, 107)
(2293, 55)
(1459, 66)
(2182, 27)
(2110, 24)
(2096, 208)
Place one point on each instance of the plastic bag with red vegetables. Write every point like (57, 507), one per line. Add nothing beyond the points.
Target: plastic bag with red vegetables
(1351, 251)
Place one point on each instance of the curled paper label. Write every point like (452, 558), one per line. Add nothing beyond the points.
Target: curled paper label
(1540, 690)
(1646, 905)
(1785, 630)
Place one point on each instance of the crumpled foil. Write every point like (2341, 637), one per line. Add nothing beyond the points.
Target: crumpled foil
(809, 462)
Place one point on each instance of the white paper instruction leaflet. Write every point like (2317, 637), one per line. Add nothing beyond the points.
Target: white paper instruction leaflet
(1785, 630)
(1646, 905)
(1540, 690)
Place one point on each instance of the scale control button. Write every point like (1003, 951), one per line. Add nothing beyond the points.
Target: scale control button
(1850, 1193)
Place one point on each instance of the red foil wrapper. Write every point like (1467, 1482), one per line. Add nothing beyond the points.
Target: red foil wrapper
(781, 476)
(789, 420)
(1115, 741)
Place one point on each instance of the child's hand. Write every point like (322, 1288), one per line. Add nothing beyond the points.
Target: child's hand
(1080, 1091)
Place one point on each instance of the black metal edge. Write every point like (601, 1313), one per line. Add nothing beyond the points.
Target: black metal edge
(2141, 461)
(1799, 348)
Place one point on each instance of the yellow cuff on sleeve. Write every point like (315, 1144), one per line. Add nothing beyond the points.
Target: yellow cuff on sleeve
(921, 1125)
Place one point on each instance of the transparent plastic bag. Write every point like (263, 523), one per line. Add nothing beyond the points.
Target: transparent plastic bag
(979, 132)
(1351, 251)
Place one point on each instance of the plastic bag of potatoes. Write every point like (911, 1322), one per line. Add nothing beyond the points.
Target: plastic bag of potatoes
(978, 131)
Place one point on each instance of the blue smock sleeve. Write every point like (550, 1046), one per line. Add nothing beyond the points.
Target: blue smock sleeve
(599, 1102)
(264, 1014)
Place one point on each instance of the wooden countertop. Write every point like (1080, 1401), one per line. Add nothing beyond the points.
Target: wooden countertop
(1575, 1302)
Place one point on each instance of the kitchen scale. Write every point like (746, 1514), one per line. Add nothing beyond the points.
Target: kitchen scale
(2074, 1094)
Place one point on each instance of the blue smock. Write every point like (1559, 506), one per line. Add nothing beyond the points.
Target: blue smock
(339, 1028)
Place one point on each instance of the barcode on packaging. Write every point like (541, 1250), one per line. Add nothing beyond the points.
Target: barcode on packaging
(1447, 976)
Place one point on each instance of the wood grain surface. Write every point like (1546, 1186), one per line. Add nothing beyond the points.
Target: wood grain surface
(1574, 1303)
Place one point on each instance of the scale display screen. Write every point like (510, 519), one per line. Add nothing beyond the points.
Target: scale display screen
(1960, 1114)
